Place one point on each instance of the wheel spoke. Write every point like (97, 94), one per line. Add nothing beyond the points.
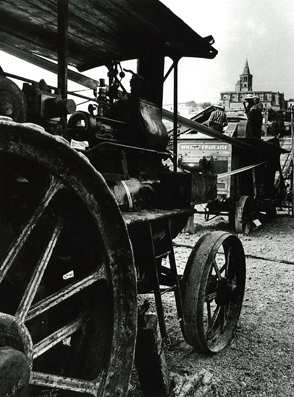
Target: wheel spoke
(210, 297)
(19, 241)
(64, 383)
(213, 318)
(224, 267)
(208, 313)
(216, 268)
(52, 340)
(228, 261)
(66, 293)
(36, 278)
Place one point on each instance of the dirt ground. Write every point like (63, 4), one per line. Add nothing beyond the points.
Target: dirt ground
(259, 361)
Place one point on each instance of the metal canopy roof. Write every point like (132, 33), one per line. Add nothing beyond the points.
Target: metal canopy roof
(99, 31)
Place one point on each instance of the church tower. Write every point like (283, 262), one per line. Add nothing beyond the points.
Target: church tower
(245, 82)
(233, 100)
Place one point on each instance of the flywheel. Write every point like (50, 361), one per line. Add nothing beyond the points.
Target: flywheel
(13, 102)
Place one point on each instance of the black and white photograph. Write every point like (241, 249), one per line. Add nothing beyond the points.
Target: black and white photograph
(146, 198)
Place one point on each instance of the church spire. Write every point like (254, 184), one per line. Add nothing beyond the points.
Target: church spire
(245, 82)
(246, 68)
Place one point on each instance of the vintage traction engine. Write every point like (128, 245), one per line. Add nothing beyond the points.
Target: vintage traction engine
(89, 209)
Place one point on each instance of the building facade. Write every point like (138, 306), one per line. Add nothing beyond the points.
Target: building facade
(185, 109)
(233, 100)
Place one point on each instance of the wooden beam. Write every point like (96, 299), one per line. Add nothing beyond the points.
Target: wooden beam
(48, 65)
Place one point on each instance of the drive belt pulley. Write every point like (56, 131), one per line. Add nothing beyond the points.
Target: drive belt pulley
(12, 100)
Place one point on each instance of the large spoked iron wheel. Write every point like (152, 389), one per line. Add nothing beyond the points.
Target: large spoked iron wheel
(67, 278)
(213, 290)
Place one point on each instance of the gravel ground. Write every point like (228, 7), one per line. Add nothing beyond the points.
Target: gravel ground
(259, 361)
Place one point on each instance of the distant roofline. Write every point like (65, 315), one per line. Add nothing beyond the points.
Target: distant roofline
(250, 92)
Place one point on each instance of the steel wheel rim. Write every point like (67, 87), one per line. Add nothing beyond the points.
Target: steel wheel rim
(211, 305)
(243, 216)
(219, 320)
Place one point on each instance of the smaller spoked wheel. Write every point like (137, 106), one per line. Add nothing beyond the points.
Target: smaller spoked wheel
(212, 291)
(244, 214)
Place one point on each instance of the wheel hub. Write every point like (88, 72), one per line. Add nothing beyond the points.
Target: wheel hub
(15, 357)
(226, 292)
(14, 372)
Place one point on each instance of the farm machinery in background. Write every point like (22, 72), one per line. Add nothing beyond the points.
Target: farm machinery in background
(250, 181)
(89, 208)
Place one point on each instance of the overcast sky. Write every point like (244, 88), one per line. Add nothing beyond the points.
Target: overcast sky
(261, 31)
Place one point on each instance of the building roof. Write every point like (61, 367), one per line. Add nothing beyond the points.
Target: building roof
(252, 92)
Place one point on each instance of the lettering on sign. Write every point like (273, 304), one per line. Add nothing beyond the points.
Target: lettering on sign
(189, 147)
(205, 147)
(214, 147)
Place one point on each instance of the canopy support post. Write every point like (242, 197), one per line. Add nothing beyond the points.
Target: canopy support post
(175, 118)
(63, 53)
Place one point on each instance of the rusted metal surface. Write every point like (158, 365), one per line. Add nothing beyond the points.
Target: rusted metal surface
(244, 214)
(99, 31)
(14, 373)
(14, 334)
(146, 216)
(213, 290)
(96, 294)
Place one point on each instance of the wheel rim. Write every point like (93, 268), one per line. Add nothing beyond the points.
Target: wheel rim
(67, 269)
(243, 215)
(213, 290)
